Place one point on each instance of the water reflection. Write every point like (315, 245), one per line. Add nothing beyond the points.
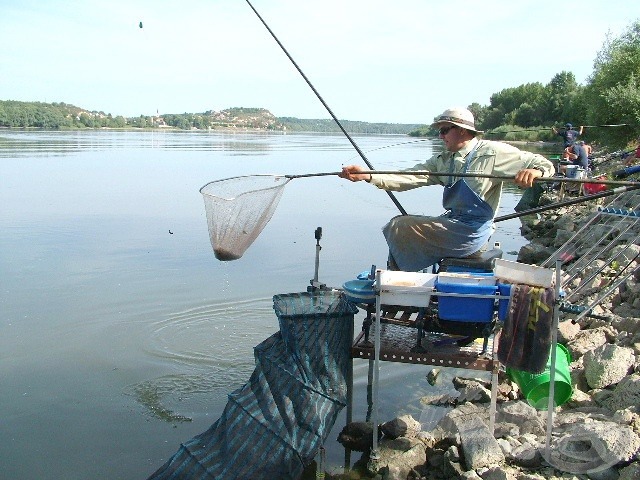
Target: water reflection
(107, 318)
(25, 143)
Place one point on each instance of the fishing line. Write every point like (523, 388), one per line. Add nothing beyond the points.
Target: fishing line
(399, 144)
(542, 129)
(335, 119)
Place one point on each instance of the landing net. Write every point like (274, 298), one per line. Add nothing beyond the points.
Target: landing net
(237, 209)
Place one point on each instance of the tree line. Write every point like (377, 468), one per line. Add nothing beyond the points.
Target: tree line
(16, 114)
(329, 126)
(608, 105)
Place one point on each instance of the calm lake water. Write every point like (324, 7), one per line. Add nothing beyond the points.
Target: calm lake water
(121, 334)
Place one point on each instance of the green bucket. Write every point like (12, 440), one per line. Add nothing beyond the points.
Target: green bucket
(535, 387)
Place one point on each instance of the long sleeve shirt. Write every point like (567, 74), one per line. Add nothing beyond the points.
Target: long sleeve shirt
(491, 158)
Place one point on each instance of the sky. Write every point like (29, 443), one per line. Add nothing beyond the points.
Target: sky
(402, 61)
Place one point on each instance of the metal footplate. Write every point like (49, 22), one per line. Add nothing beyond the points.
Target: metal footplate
(398, 329)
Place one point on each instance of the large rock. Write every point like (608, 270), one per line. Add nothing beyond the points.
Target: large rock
(448, 425)
(526, 455)
(567, 331)
(630, 472)
(562, 236)
(471, 390)
(357, 436)
(625, 395)
(626, 310)
(626, 254)
(534, 253)
(607, 364)
(479, 447)
(397, 457)
(592, 446)
(587, 340)
(451, 463)
(404, 426)
(521, 414)
(629, 323)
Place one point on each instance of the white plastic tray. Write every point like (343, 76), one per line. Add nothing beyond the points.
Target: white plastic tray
(411, 289)
(466, 278)
(515, 272)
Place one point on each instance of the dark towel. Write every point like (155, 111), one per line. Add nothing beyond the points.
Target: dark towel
(525, 341)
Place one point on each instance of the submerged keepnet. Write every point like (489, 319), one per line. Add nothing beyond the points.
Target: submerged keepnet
(275, 424)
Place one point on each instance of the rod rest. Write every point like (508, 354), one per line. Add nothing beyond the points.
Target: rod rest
(619, 211)
(478, 261)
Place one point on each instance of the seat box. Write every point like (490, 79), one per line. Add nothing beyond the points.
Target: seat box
(465, 307)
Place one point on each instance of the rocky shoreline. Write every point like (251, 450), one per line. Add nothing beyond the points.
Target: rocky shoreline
(595, 435)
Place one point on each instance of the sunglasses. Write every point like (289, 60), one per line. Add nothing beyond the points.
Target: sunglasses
(445, 130)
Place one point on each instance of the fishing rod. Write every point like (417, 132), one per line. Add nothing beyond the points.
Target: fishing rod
(573, 201)
(499, 132)
(471, 175)
(353, 143)
(605, 126)
(611, 287)
(542, 129)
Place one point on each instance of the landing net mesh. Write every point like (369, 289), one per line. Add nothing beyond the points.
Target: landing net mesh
(237, 209)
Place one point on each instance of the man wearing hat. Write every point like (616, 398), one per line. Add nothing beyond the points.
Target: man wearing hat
(569, 135)
(416, 241)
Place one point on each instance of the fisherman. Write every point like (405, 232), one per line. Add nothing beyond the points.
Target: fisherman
(569, 135)
(578, 154)
(417, 242)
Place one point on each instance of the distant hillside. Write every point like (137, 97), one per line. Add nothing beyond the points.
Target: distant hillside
(15, 114)
(328, 125)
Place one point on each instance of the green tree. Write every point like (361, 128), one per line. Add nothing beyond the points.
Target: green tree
(119, 122)
(557, 99)
(525, 115)
(511, 99)
(612, 93)
(87, 120)
(201, 122)
(479, 112)
(493, 118)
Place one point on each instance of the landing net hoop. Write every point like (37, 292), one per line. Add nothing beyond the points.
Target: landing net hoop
(237, 209)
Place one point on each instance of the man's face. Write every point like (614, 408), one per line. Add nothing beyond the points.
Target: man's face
(453, 136)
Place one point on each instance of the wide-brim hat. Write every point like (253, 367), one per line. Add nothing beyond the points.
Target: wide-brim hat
(459, 116)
